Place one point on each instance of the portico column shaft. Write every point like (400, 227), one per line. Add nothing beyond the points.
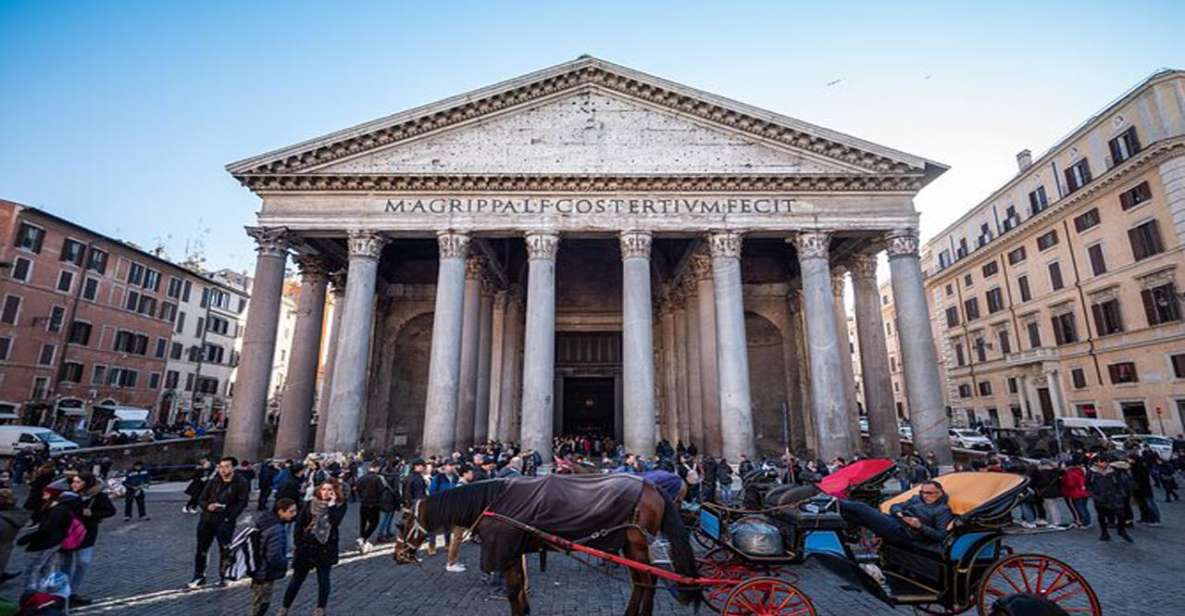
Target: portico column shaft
(511, 351)
(539, 346)
(845, 352)
(481, 418)
(736, 410)
(259, 344)
(709, 372)
(827, 393)
(296, 408)
(680, 350)
(444, 361)
(470, 339)
(669, 372)
(637, 336)
(874, 360)
(795, 401)
(922, 384)
(337, 287)
(695, 395)
(353, 355)
(497, 348)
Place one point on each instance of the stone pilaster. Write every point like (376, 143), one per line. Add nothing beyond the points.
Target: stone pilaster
(736, 410)
(637, 337)
(444, 362)
(296, 407)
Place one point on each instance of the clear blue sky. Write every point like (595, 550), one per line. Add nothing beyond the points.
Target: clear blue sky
(121, 115)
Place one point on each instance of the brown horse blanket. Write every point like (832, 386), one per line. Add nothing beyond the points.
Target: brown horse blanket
(571, 506)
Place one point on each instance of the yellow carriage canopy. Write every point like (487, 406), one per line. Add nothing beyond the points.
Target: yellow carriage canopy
(967, 491)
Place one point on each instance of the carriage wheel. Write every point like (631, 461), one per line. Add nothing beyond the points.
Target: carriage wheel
(765, 596)
(1044, 580)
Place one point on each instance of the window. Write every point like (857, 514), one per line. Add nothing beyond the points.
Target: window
(99, 375)
(1088, 220)
(1011, 219)
(971, 308)
(80, 333)
(1064, 329)
(1107, 319)
(47, 354)
(952, 316)
(29, 237)
(130, 342)
(174, 290)
(154, 380)
(960, 358)
(176, 350)
(136, 274)
(1016, 256)
(1047, 241)
(162, 345)
(962, 250)
(1145, 240)
(985, 235)
(1078, 376)
(57, 314)
(980, 350)
(12, 310)
(1098, 262)
(1078, 175)
(201, 324)
(207, 385)
(194, 354)
(133, 301)
(888, 328)
(964, 391)
(1055, 276)
(1178, 362)
(1012, 386)
(151, 280)
(147, 305)
(1038, 201)
(214, 353)
(40, 388)
(1005, 342)
(122, 377)
(5, 347)
(950, 290)
(65, 281)
(217, 325)
(967, 280)
(1161, 304)
(97, 261)
(991, 269)
(985, 388)
(90, 289)
(1124, 372)
(1022, 283)
(1124, 146)
(72, 251)
(186, 290)
(180, 323)
(71, 372)
(189, 382)
(171, 378)
(168, 311)
(1135, 196)
(995, 300)
(21, 268)
(1034, 331)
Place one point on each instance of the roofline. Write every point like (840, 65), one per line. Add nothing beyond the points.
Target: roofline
(1162, 74)
(120, 243)
(932, 168)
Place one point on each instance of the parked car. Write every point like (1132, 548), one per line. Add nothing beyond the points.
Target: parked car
(969, 439)
(1114, 431)
(19, 438)
(1163, 446)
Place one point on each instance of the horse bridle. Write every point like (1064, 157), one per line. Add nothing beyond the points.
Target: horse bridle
(404, 546)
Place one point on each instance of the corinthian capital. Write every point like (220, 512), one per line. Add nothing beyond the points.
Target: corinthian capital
(700, 266)
(313, 268)
(475, 267)
(862, 267)
(270, 241)
(635, 244)
(453, 245)
(542, 245)
(365, 244)
(902, 242)
(812, 244)
(725, 244)
(337, 282)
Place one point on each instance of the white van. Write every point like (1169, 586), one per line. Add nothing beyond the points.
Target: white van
(112, 420)
(1113, 431)
(16, 438)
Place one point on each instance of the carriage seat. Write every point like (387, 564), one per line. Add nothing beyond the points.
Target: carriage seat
(971, 494)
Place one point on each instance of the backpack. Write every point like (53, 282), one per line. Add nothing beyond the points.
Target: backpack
(389, 498)
(244, 558)
(75, 535)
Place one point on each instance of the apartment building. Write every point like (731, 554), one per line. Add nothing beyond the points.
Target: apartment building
(1060, 295)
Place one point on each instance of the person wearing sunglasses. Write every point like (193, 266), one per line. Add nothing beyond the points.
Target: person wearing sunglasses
(924, 517)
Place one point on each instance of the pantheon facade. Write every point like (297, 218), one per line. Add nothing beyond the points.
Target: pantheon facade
(587, 249)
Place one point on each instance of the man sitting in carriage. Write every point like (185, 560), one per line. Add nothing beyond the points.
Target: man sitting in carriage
(925, 517)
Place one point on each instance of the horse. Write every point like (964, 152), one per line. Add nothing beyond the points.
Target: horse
(671, 483)
(630, 508)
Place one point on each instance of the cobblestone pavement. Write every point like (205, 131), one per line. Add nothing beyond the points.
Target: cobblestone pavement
(140, 568)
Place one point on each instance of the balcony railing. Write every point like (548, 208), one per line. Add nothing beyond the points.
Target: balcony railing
(1032, 356)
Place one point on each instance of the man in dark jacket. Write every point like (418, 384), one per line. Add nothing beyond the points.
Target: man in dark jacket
(134, 483)
(288, 483)
(1110, 488)
(197, 481)
(273, 554)
(924, 517)
(222, 500)
(267, 472)
(369, 489)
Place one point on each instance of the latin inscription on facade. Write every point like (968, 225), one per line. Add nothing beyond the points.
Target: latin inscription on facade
(591, 206)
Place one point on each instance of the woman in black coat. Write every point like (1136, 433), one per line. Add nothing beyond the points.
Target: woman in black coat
(95, 507)
(315, 533)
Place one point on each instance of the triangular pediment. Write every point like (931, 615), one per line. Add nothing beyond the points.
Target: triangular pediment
(585, 117)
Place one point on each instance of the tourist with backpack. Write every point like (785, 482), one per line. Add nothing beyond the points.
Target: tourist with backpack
(94, 507)
(58, 528)
(272, 552)
(388, 502)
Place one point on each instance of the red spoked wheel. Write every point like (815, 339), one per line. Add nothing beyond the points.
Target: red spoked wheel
(1037, 581)
(766, 596)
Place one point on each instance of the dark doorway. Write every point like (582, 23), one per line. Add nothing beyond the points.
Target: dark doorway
(588, 406)
(1046, 405)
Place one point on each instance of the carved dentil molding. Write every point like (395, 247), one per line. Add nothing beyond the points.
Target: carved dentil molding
(475, 266)
(366, 244)
(452, 245)
(270, 241)
(902, 242)
(542, 245)
(862, 267)
(812, 244)
(700, 266)
(313, 268)
(635, 244)
(725, 244)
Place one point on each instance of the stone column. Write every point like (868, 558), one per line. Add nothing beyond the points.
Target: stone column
(680, 353)
(670, 377)
(845, 351)
(695, 395)
(444, 361)
(497, 347)
(736, 410)
(511, 378)
(539, 346)
(353, 354)
(470, 339)
(249, 403)
(918, 357)
(296, 408)
(637, 339)
(709, 376)
(874, 360)
(796, 419)
(481, 418)
(827, 386)
(337, 287)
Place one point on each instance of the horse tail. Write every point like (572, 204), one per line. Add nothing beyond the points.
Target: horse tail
(682, 556)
